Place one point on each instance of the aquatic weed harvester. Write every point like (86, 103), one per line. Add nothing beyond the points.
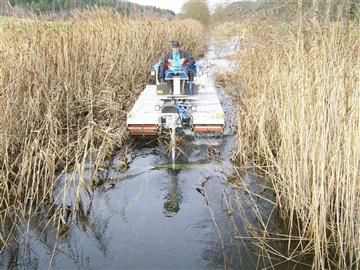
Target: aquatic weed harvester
(176, 105)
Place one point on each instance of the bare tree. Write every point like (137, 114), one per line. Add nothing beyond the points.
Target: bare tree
(316, 8)
(328, 10)
(196, 9)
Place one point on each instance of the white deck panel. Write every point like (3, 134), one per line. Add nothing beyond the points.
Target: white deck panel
(143, 111)
(208, 107)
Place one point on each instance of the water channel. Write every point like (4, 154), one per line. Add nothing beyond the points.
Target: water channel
(154, 216)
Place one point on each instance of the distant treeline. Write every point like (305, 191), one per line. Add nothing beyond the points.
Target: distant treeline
(327, 9)
(41, 6)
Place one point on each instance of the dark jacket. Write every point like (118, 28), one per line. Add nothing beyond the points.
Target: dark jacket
(189, 60)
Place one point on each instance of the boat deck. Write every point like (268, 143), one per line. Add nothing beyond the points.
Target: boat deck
(207, 113)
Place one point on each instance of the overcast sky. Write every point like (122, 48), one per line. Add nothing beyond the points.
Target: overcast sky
(174, 5)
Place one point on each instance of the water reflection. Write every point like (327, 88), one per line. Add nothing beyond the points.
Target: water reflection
(173, 197)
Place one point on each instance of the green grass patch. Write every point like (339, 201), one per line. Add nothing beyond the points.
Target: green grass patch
(3, 19)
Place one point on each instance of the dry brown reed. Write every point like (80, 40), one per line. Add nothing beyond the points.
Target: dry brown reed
(298, 90)
(223, 32)
(65, 88)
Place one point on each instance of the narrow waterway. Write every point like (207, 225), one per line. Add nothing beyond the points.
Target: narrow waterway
(154, 216)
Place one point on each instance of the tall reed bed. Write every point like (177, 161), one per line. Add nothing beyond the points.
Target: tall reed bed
(65, 88)
(298, 92)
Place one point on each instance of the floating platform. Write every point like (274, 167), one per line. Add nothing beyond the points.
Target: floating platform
(146, 118)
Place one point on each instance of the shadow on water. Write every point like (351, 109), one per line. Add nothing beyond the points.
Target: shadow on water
(173, 197)
(156, 216)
